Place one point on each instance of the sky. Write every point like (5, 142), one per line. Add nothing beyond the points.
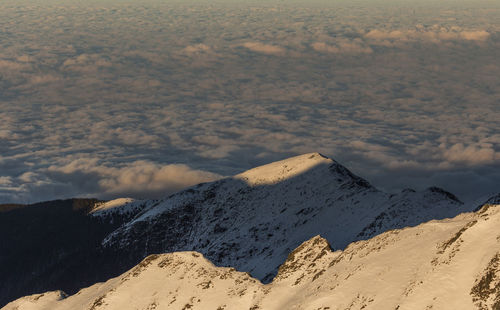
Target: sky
(143, 98)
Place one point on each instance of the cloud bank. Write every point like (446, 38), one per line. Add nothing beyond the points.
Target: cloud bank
(264, 48)
(129, 99)
(138, 178)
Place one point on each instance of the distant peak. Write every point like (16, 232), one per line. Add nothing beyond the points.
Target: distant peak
(283, 169)
(112, 204)
(314, 164)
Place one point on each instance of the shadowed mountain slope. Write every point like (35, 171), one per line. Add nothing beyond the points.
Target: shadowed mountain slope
(447, 264)
(53, 245)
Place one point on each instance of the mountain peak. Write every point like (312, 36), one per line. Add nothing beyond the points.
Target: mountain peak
(305, 258)
(112, 204)
(284, 169)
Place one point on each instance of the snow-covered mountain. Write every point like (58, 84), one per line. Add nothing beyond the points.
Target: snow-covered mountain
(250, 221)
(253, 220)
(446, 264)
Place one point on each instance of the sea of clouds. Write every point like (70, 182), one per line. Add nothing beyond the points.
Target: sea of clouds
(143, 98)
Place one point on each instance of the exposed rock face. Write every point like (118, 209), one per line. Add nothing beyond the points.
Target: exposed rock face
(447, 264)
(302, 264)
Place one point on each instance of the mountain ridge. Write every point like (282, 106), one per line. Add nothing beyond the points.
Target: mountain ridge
(441, 264)
(251, 224)
(296, 194)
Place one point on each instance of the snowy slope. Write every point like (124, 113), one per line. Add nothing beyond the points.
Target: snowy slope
(122, 208)
(121, 204)
(447, 264)
(253, 220)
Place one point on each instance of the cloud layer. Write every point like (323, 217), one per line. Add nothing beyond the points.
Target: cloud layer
(139, 178)
(129, 99)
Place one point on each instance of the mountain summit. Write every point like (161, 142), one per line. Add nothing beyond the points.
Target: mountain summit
(286, 169)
